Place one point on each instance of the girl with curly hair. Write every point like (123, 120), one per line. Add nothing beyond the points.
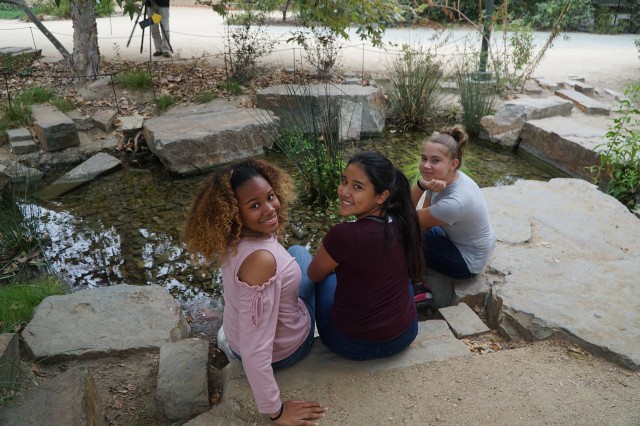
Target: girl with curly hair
(269, 311)
(458, 238)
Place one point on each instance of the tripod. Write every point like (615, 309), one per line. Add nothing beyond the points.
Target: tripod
(147, 22)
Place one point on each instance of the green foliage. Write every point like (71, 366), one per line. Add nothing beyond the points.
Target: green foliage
(368, 17)
(204, 97)
(415, 96)
(476, 97)
(17, 301)
(20, 236)
(233, 87)
(309, 138)
(578, 16)
(62, 8)
(321, 48)
(619, 169)
(136, 79)
(10, 11)
(17, 113)
(511, 54)
(164, 102)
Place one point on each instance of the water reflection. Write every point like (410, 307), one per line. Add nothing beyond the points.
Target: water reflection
(124, 228)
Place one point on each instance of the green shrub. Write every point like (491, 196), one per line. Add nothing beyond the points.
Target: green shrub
(477, 96)
(164, 102)
(17, 301)
(578, 17)
(414, 95)
(233, 87)
(9, 11)
(136, 79)
(247, 43)
(18, 112)
(63, 10)
(204, 97)
(619, 170)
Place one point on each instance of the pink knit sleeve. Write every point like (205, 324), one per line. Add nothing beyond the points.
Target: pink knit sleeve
(258, 315)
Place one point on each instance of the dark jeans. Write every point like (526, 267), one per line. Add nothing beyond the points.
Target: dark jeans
(308, 296)
(442, 255)
(354, 349)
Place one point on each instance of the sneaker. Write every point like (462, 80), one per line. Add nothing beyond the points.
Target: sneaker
(157, 53)
(421, 294)
(166, 54)
(224, 346)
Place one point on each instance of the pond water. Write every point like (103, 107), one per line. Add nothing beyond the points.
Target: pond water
(125, 227)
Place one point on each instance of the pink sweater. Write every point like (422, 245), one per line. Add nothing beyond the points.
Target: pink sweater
(266, 323)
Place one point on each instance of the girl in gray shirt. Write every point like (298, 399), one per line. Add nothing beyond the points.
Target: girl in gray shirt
(457, 236)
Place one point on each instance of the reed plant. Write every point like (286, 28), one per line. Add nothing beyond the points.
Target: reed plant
(477, 93)
(310, 139)
(415, 95)
(21, 237)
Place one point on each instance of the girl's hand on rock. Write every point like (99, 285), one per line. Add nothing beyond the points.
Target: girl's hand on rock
(300, 413)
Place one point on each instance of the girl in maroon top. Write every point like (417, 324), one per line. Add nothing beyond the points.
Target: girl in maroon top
(366, 309)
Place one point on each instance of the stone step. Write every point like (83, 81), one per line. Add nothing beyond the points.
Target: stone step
(434, 342)
(17, 51)
(54, 130)
(95, 166)
(21, 141)
(463, 321)
(70, 398)
(583, 102)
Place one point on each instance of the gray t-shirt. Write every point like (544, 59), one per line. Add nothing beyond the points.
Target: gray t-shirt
(462, 207)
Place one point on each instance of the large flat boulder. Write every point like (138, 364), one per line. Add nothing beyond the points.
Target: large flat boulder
(576, 276)
(564, 143)
(314, 107)
(105, 321)
(583, 102)
(194, 139)
(505, 125)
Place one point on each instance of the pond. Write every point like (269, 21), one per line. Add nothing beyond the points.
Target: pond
(125, 227)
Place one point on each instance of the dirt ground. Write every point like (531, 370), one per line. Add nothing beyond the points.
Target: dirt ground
(541, 383)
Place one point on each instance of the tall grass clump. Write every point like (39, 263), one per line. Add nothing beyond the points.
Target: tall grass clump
(477, 95)
(20, 237)
(310, 137)
(136, 79)
(619, 170)
(415, 95)
(18, 300)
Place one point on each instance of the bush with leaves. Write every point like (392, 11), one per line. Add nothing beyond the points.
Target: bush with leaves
(619, 171)
(579, 17)
(321, 48)
(477, 94)
(415, 95)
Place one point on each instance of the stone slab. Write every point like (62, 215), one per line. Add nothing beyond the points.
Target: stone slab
(547, 83)
(583, 88)
(577, 277)
(583, 102)
(54, 130)
(434, 342)
(71, 398)
(22, 147)
(298, 106)
(194, 139)
(101, 322)
(463, 321)
(564, 144)
(9, 360)
(182, 391)
(98, 165)
(130, 125)
(82, 122)
(19, 173)
(104, 119)
(19, 135)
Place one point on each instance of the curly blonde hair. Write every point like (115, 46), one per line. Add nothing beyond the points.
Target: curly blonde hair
(213, 227)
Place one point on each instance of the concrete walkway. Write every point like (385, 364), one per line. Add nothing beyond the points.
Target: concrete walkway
(605, 60)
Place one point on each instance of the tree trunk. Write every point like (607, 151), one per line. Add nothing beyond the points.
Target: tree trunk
(85, 60)
(27, 10)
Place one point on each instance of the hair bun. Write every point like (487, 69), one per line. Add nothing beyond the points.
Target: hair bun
(456, 133)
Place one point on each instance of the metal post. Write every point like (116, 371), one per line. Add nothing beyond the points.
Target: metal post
(486, 36)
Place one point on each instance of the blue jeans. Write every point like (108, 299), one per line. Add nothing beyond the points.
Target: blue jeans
(442, 255)
(346, 347)
(308, 296)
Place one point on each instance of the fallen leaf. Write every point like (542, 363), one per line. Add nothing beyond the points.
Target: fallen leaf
(35, 370)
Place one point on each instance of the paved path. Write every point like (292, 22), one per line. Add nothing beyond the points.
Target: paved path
(604, 60)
